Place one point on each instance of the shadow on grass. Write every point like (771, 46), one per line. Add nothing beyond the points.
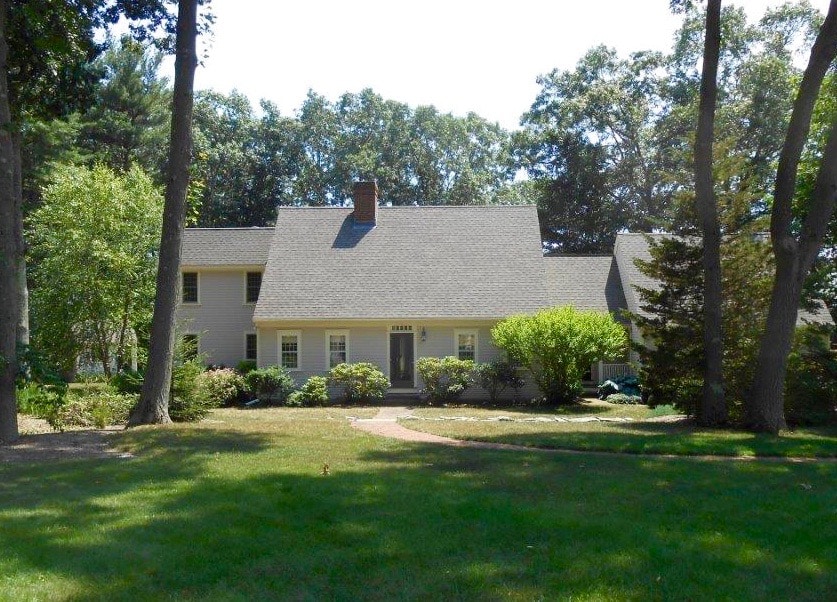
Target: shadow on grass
(220, 514)
(677, 438)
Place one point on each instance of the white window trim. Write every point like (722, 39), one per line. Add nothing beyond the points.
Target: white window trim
(198, 279)
(466, 331)
(244, 300)
(328, 335)
(298, 335)
(247, 333)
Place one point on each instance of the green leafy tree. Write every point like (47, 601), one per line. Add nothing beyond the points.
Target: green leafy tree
(589, 142)
(558, 345)
(45, 50)
(94, 241)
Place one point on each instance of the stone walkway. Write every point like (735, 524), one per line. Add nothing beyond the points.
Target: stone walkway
(385, 424)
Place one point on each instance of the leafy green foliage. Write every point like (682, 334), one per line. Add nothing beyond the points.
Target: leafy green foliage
(445, 379)
(221, 387)
(185, 402)
(497, 376)
(38, 400)
(671, 370)
(95, 408)
(311, 394)
(811, 382)
(362, 382)
(272, 384)
(557, 345)
(94, 243)
(249, 163)
(244, 367)
(127, 381)
(589, 143)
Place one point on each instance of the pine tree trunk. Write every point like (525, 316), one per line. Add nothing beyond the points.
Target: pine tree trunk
(713, 409)
(8, 251)
(153, 407)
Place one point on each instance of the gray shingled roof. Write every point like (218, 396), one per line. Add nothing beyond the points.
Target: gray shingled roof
(226, 246)
(630, 247)
(627, 249)
(417, 262)
(589, 282)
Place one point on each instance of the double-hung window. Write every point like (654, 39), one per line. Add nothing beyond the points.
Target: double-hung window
(189, 289)
(253, 284)
(465, 342)
(337, 347)
(290, 349)
(251, 346)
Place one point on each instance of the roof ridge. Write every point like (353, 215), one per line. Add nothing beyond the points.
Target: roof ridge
(331, 207)
(228, 228)
(563, 255)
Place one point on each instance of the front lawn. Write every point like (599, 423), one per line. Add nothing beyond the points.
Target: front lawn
(237, 508)
(641, 435)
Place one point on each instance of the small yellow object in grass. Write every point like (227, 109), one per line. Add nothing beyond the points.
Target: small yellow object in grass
(326, 471)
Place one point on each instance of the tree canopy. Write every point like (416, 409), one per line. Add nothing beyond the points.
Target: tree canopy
(94, 243)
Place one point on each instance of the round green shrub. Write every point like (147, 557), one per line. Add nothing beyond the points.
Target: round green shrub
(185, 404)
(38, 400)
(271, 385)
(221, 387)
(495, 377)
(361, 382)
(445, 379)
(313, 393)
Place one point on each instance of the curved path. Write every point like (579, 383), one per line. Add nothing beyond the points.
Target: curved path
(385, 424)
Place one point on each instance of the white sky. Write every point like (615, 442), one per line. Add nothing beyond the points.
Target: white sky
(459, 55)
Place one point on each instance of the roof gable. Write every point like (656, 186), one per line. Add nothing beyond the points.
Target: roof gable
(629, 247)
(416, 262)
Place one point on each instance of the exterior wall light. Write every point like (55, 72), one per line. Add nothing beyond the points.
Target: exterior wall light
(423, 334)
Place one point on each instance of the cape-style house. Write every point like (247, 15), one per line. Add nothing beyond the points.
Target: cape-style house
(387, 285)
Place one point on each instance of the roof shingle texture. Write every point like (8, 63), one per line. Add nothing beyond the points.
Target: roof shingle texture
(226, 246)
(417, 262)
(585, 282)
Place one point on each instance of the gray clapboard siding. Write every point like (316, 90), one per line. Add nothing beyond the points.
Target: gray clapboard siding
(221, 319)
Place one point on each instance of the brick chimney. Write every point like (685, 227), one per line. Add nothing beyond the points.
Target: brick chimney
(365, 195)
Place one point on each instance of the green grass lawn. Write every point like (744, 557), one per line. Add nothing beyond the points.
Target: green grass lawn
(639, 436)
(237, 508)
